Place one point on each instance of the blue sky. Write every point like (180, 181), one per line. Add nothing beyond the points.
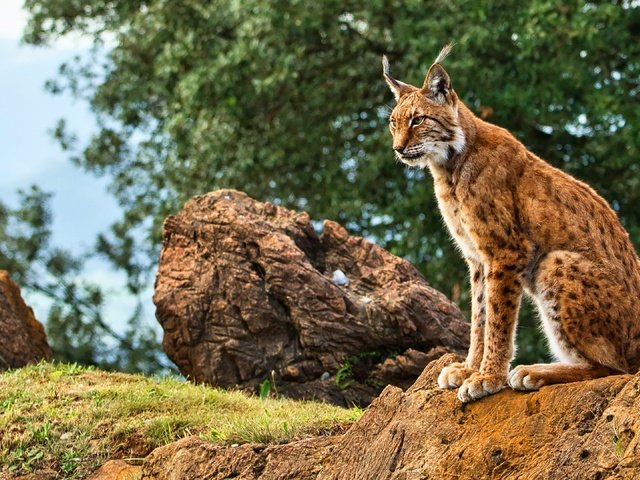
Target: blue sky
(81, 205)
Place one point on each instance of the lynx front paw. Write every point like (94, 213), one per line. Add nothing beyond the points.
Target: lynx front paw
(524, 377)
(452, 376)
(480, 385)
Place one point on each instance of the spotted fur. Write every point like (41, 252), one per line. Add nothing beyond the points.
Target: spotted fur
(524, 227)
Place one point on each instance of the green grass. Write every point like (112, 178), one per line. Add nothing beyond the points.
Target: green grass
(72, 419)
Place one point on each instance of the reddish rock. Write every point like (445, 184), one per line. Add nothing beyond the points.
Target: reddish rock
(246, 288)
(582, 430)
(23, 340)
(192, 458)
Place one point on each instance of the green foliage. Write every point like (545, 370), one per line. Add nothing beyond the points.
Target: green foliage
(25, 233)
(268, 387)
(265, 389)
(285, 101)
(70, 460)
(620, 438)
(343, 376)
(355, 366)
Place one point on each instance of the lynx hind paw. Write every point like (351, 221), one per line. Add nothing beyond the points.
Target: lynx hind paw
(524, 378)
(480, 385)
(452, 376)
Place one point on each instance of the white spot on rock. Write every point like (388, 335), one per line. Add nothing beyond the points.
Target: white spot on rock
(340, 279)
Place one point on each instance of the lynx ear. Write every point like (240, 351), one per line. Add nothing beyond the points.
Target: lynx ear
(437, 84)
(397, 87)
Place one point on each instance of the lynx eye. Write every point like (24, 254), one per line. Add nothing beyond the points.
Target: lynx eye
(415, 121)
(392, 123)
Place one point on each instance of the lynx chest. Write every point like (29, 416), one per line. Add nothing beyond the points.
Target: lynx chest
(451, 213)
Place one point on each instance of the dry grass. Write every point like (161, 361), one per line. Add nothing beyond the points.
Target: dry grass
(71, 419)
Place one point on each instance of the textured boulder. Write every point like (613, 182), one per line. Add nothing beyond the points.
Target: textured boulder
(23, 340)
(583, 430)
(192, 458)
(247, 291)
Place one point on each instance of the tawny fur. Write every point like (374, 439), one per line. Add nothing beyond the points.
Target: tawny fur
(522, 226)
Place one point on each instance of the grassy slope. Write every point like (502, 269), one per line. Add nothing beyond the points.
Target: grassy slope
(71, 419)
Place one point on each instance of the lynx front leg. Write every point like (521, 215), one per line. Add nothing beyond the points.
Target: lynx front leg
(504, 292)
(452, 376)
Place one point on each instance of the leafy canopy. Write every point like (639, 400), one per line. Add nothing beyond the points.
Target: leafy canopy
(285, 100)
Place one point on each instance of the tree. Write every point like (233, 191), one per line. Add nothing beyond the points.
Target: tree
(76, 329)
(285, 100)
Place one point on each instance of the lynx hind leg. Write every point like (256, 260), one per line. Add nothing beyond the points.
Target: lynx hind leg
(575, 302)
(532, 377)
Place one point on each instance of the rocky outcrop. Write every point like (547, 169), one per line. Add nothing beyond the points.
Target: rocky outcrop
(23, 340)
(584, 430)
(248, 291)
(192, 458)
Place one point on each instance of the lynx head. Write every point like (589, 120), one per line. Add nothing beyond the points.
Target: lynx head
(424, 122)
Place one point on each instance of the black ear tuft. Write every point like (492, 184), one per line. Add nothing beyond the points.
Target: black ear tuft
(396, 86)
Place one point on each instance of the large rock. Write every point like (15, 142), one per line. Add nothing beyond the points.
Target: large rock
(193, 458)
(247, 291)
(23, 340)
(584, 430)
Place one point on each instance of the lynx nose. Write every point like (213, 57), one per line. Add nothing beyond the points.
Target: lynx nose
(399, 148)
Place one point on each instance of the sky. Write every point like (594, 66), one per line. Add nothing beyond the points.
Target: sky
(81, 205)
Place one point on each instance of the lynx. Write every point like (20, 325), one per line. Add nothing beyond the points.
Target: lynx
(522, 226)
